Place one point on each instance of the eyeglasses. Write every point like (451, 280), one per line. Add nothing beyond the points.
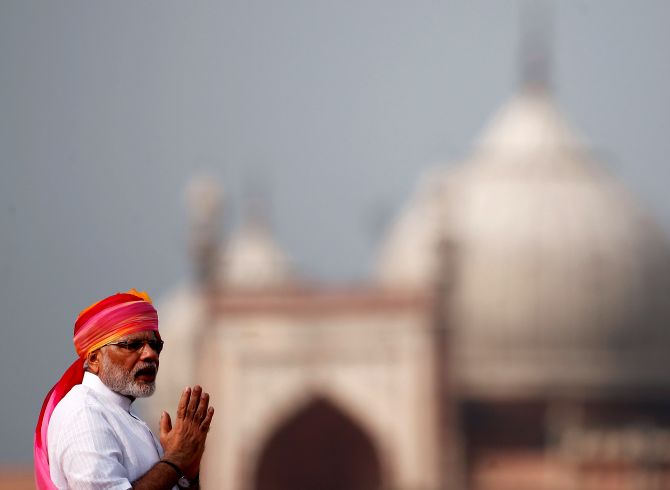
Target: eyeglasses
(137, 345)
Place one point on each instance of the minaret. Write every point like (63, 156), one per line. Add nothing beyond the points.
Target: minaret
(444, 283)
(204, 201)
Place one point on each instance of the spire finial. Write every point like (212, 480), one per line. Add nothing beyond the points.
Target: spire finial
(204, 199)
(256, 199)
(536, 43)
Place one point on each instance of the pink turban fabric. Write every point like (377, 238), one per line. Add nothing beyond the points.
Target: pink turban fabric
(101, 323)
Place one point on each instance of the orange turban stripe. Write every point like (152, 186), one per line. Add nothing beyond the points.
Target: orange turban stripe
(101, 323)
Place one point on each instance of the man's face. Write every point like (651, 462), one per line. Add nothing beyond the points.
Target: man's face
(132, 374)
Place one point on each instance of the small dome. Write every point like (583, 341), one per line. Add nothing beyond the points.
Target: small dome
(253, 260)
(561, 276)
(409, 258)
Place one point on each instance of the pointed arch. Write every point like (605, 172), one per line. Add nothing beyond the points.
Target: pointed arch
(318, 448)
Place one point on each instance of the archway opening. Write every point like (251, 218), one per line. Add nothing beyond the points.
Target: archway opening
(319, 448)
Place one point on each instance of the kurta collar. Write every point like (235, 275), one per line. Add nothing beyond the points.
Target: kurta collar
(93, 382)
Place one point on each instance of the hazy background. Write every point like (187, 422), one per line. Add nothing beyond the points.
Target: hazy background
(108, 109)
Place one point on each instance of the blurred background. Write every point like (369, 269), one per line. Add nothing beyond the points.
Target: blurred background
(428, 236)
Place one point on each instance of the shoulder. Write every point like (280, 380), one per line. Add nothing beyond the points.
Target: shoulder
(79, 399)
(80, 410)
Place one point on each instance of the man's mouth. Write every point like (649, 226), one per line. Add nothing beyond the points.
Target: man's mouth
(147, 374)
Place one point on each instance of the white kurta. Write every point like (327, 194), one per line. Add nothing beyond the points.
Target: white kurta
(96, 441)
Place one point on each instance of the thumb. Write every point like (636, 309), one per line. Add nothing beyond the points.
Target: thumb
(165, 424)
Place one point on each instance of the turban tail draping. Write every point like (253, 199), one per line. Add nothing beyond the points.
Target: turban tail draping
(105, 321)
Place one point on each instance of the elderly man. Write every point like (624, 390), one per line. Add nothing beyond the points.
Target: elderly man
(89, 437)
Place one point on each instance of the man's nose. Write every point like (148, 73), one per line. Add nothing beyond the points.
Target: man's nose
(147, 352)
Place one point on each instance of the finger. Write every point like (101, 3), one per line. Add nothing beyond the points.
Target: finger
(202, 407)
(204, 426)
(183, 403)
(165, 424)
(194, 401)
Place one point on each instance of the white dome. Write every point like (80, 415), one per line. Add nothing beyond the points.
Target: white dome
(530, 123)
(253, 260)
(561, 276)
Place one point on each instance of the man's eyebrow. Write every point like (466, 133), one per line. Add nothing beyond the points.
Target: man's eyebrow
(135, 339)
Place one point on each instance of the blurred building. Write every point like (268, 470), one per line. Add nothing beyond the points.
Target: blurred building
(515, 336)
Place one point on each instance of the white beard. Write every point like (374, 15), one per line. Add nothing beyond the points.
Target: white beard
(124, 382)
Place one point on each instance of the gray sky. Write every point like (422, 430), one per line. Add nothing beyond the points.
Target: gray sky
(107, 110)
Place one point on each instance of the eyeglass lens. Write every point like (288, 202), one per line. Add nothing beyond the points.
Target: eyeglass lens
(136, 345)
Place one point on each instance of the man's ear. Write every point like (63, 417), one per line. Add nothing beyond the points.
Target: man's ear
(93, 361)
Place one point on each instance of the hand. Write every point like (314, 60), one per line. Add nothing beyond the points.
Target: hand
(185, 443)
